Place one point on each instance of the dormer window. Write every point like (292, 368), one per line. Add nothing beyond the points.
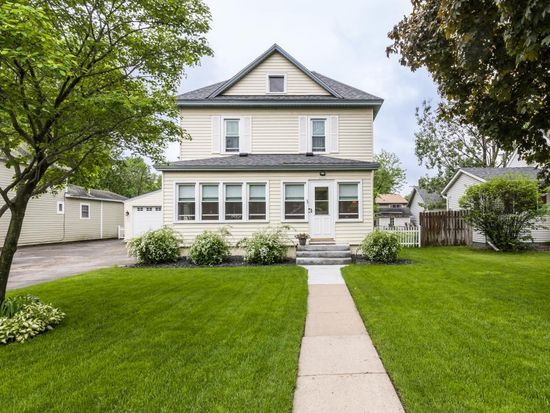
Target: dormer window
(276, 83)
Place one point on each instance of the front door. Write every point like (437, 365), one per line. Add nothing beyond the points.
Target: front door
(321, 209)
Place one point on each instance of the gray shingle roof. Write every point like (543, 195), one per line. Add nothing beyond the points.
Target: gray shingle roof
(75, 191)
(427, 196)
(490, 173)
(283, 162)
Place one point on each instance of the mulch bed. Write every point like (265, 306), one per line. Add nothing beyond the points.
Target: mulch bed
(234, 261)
(358, 259)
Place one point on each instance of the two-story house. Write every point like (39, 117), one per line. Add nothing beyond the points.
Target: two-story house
(275, 144)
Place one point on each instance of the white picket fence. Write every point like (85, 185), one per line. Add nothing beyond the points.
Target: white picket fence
(408, 236)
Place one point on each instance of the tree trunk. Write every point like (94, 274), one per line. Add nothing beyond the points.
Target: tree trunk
(12, 239)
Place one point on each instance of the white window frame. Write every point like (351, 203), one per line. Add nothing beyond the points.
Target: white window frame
(224, 192)
(89, 211)
(62, 211)
(306, 200)
(359, 195)
(310, 120)
(224, 137)
(268, 91)
(221, 199)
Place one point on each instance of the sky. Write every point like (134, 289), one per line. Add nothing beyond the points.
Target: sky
(344, 40)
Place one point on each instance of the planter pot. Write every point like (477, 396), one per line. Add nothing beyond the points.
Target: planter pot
(302, 241)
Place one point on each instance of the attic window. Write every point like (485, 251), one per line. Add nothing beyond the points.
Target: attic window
(276, 83)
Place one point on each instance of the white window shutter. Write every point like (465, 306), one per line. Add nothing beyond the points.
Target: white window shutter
(302, 134)
(216, 134)
(245, 144)
(333, 134)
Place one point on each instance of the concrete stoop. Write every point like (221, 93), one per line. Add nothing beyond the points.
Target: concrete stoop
(323, 254)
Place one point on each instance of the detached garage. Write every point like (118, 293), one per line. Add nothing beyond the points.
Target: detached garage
(142, 213)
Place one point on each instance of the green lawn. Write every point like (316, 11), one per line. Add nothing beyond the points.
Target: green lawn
(163, 340)
(461, 330)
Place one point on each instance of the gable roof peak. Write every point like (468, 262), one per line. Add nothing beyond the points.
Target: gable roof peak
(274, 48)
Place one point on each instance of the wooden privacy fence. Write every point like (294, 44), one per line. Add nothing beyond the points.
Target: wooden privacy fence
(408, 236)
(445, 228)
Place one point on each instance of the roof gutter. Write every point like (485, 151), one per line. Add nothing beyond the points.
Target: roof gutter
(249, 168)
(93, 198)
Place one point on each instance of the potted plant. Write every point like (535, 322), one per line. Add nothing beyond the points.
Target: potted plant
(302, 237)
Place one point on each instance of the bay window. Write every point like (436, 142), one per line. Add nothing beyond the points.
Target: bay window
(233, 202)
(210, 206)
(348, 201)
(256, 202)
(186, 202)
(295, 205)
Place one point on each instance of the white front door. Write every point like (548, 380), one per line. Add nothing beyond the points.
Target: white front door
(321, 209)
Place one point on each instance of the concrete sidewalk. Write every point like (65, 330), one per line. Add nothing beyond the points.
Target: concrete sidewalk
(339, 370)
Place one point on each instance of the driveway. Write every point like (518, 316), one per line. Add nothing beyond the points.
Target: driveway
(41, 263)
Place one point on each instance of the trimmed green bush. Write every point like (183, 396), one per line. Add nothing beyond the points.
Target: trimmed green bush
(268, 246)
(155, 247)
(24, 317)
(209, 248)
(380, 246)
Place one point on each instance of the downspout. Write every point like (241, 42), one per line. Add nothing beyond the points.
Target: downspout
(101, 220)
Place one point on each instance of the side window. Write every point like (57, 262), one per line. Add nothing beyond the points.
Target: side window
(348, 201)
(231, 129)
(295, 205)
(256, 202)
(318, 135)
(186, 202)
(60, 207)
(84, 211)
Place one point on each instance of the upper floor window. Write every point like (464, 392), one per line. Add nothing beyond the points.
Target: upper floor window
(231, 127)
(276, 84)
(318, 135)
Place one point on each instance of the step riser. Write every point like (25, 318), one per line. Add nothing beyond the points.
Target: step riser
(323, 247)
(323, 254)
(323, 261)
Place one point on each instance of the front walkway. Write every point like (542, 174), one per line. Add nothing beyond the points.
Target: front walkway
(339, 370)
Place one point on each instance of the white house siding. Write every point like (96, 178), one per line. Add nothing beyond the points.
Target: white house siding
(397, 221)
(455, 192)
(345, 232)
(255, 82)
(152, 199)
(276, 131)
(415, 207)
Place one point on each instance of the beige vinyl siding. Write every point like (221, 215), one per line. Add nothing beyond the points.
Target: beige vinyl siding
(113, 216)
(277, 131)
(346, 232)
(255, 82)
(82, 229)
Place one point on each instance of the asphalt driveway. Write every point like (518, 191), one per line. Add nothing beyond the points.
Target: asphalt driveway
(41, 263)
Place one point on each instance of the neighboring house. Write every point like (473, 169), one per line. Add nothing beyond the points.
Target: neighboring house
(466, 177)
(275, 144)
(142, 213)
(423, 200)
(392, 211)
(71, 214)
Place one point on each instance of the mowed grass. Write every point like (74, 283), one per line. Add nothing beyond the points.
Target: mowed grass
(163, 340)
(461, 330)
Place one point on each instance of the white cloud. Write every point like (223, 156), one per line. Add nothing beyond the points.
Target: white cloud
(345, 40)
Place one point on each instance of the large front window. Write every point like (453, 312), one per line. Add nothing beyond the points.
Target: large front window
(233, 202)
(210, 206)
(231, 135)
(318, 135)
(186, 202)
(348, 201)
(256, 202)
(295, 206)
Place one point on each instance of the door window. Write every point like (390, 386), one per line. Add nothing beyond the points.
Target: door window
(321, 200)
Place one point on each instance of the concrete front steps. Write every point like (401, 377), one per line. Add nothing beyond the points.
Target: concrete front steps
(323, 254)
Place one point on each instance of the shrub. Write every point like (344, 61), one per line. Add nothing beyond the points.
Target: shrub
(24, 317)
(505, 209)
(209, 248)
(380, 246)
(268, 246)
(161, 245)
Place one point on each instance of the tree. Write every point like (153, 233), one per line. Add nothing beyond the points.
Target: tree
(445, 142)
(125, 176)
(490, 59)
(390, 176)
(79, 79)
(504, 209)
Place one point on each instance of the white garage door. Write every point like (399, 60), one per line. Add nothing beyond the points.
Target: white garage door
(146, 219)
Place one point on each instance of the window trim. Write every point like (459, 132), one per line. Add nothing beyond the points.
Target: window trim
(62, 203)
(221, 199)
(274, 74)
(310, 132)
(359, 182)
(306, 200)
(224, 137)
(224, 192)
(89, 210)
(177, 201)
